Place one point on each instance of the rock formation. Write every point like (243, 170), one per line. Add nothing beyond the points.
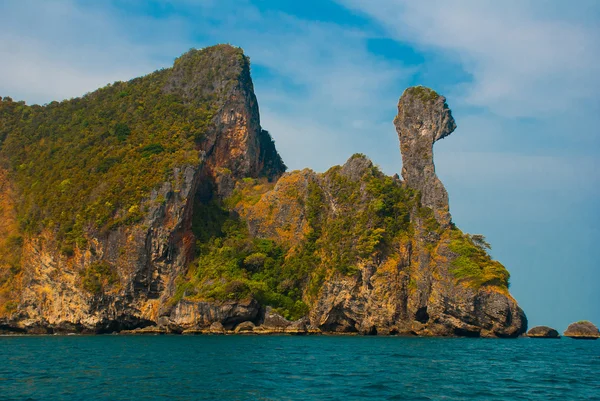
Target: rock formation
(216, 328)
(542, 332)
(150, 255)
(227, 242)
(408, 290)
(423, 119)
(582, 330)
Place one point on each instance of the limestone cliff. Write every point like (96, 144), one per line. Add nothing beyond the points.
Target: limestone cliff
(394, 277)
(226, 237)
(145, 258)
(423, 119)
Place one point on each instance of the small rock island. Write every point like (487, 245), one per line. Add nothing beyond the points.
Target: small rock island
(543, 332)
(582, 330)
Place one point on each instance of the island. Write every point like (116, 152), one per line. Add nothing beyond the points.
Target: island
(161, 205)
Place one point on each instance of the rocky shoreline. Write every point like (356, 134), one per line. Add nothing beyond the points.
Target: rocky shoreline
(271, 323)
(265, 321)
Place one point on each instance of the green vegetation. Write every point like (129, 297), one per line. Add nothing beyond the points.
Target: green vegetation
(11, 249)
(98, 277)
(480, 241)
(367, 223)
(424, 94)
(372, 214)
(92, 161)
(358, 156)
(233, 266)
(427, 215)
(473, 265)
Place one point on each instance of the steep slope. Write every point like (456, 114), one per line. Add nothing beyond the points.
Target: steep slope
(162, 202)
(105, 187)
(355, 250)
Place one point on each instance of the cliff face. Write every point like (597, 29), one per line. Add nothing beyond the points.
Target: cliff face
(400, 276)
(235, 140)
(423, 119)
(124, 277)
(226, 237)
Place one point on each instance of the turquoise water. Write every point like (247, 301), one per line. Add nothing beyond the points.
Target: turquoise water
(296, 368)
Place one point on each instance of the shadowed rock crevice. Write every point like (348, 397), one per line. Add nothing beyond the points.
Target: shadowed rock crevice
(422, 315)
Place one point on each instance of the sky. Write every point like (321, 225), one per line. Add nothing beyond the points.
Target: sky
(522, 78)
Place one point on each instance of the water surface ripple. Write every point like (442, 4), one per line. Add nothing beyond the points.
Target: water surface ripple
(296, 368)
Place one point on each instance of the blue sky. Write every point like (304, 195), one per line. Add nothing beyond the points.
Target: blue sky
(521, 77)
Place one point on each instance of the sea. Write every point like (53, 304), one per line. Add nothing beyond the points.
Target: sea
(170, 367)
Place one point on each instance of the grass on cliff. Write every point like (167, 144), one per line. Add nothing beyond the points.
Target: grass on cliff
(423, 93)
(11, 249)
(473, 265)
(346, 220)
(349, 222)
(91, 161)
(234, 266)
(99, 277)
(10, 271)
(371, 213)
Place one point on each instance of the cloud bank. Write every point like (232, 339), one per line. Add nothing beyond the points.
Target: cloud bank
(525, 58)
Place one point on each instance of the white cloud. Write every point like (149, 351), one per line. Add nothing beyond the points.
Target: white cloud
(524, 60)
(54, 50)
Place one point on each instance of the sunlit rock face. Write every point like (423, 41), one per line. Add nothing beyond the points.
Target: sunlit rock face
(543, 332)
(423, 119)
(583, 330)
(147, 257)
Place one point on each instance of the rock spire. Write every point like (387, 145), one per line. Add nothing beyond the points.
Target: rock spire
(424, 118)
